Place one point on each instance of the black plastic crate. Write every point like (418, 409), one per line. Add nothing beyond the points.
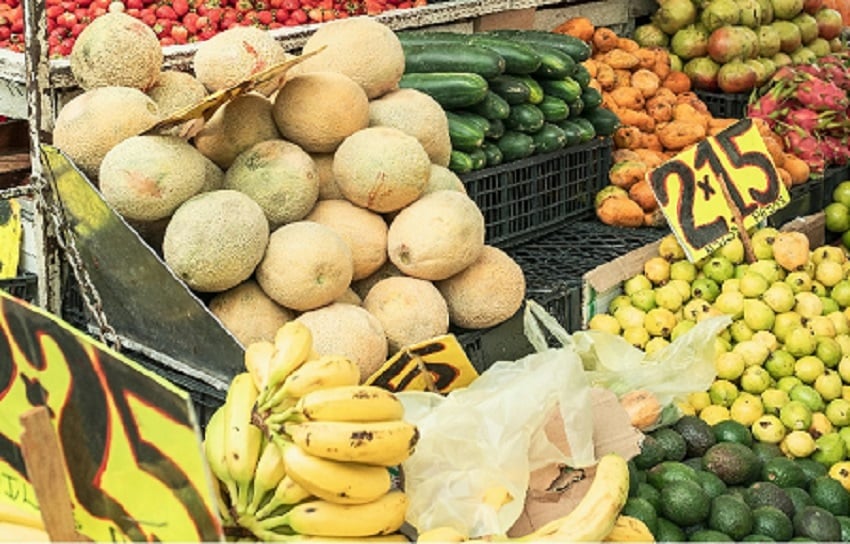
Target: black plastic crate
(24, 287)
(525, 199)
(726, 105)
(806, 199)
(832, 177)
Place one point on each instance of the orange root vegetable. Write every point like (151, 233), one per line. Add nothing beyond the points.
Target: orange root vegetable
(777, 152)
(627, 173)
(579, 27)
(686, 112)
(785, 176)
(646, 81)
(620, 212)
(678, 82)
(642, 193)
(623, 77)
(679, 134)
(655, 219)
(660, 108)
(604, 39)
(620, 155)
(605, 76)
(621, 60)
(639, 119)
(628, 138)
(661, 67)
(628, 45)
(650, 140)
(628, 97)
(646, 58)
(717, 124)
(695, 101)
(591, 66)
(797, 168)
(650, 157)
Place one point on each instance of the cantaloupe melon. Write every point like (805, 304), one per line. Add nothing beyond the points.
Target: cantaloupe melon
(248, 313)
(174, 91)
(146, 177)
(95, 121)
(437, 236)
(381, 168)
(350, 297)
(116, 49)
(442, 178)
(236, 126)
(388, 270)
(234, 55)
(306, 265)
(417, 114)
(346, 329)
(361, 48)
(215, 240)
(328, 189)
(364, 231)
(318, 110)
(213, 176)
(280, 177)
(410, 310)
(485, 293)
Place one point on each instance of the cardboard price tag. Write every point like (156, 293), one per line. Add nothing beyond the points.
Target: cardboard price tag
(135, 464)
(705, 190)
(438, 365)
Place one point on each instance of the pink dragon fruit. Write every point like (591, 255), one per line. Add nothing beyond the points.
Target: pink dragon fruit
(807, 147)
(821, 95)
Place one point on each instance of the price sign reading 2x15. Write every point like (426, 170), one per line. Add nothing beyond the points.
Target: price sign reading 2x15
(689, 192)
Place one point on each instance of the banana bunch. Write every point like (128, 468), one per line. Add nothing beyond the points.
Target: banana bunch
(301, 450)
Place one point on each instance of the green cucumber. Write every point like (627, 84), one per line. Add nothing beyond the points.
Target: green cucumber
(579, 50)
(436, 57)
(515, 145)
(576, 107)
(512, 89)
(450, 90)
(460, 162)
(479, 158)
(497, 128)
(554, 64)
(492, 106)
(549, 138)
(582, 76)
(591, 98)
(519, 57)
(587, 128)
(604, 121)
(525, 118)
(481, 122)
(535, 95)
(464, 134)
(493, 153)
(553, 108)
(566, 89)
(572, 132)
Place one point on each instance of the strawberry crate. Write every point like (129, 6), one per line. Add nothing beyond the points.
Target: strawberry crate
(525, 199)
(726, 105)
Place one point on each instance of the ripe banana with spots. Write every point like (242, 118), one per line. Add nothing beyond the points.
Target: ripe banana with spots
(334, 481)
(344, 403)
(382, 516)
(270, 471)
(287, 493)
(242, 439)
(323, 373)
(258, 356)
(216, 453)
(596, 515)
(383, 443)
(293, 344)
(629, 529)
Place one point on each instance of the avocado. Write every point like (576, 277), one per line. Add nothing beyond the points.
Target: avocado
(769, 494)
(799, 496)
(651, 453)
(830, 495)
(766, 450)
(709, 535)
(731, 516)
(711, 484)
(817, 524)
(684, 502)
(635, 477)
(784, 472)
(669, 471)
(642, 509)
(669, 531)
(697, 433)
(811, 469)
(772, 522)
(757, 537)
(734, 463)
(731, 431)
(844, 521)
(694, 462)
(675, 448)
(650, 493)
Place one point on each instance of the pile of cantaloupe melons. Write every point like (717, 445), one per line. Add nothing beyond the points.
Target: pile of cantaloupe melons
(325, 200)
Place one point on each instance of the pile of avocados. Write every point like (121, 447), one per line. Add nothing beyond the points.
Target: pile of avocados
(698, 482)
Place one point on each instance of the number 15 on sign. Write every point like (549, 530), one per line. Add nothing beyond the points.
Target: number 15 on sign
(691, 193)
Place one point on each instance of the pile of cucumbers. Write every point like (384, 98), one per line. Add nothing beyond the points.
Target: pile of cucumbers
(508, 94)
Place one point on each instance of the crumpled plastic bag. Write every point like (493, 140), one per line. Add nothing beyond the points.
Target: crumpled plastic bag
(490, 434)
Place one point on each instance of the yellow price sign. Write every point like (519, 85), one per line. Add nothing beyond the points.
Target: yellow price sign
(698, 188)
(135, 464)
(438, 365)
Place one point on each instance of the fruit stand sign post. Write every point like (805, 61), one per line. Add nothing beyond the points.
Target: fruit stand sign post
(438, 365)
(134, 461)
(714, 191)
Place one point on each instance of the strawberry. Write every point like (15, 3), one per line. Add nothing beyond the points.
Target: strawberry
(190, 21)
(291, 5)
(281, 15)
(180, 7)
(67, 19)
(265, 17)
(148, 16)
(166, 12)
(54, 11)
(300, 16)
(180, 34)
(133, 4)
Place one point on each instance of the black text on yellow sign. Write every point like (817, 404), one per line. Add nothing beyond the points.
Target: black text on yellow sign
(135, 464)
(689, 192)
(438, 364)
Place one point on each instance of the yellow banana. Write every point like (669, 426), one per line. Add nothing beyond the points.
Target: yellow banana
(629, 529)
(595, 515)
(216, 453)
(258, 356)
(287, 493)
(270, 471)
(384, 443)
(12, 532)
(497, 496)
(345, 403)
(442, 534)
(242, 439)
(14, 515)
(323, 518)
(333, 481)
(322, 373)
(286, 536)
(293, 344)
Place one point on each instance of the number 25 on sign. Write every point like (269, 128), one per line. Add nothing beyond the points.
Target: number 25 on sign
(702, 189)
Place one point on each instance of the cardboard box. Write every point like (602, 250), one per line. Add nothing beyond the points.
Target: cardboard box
(603, 283)
(514, 18)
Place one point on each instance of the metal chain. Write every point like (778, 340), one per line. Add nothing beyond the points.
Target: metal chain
(18, 191)
(67, 243)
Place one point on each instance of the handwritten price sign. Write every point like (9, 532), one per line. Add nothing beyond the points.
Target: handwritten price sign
(701, 189)
(134, 461)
